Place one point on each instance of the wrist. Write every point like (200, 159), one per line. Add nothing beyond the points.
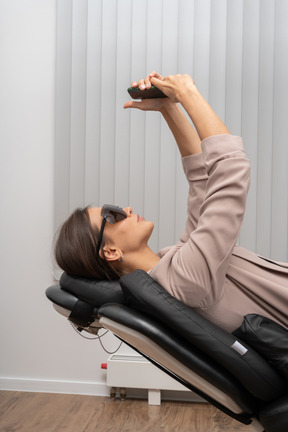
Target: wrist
(204, 118)
(188, 94)
(168, 107)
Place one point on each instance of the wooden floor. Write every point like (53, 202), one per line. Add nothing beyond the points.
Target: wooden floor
(41, 412)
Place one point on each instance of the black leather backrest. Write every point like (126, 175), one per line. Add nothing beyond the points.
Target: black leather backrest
(255, 374)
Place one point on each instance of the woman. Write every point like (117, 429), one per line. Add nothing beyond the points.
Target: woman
(205, 269)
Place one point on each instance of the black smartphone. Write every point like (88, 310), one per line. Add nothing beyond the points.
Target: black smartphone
(151, 93)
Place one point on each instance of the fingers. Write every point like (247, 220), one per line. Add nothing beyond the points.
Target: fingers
(174, 86)
(158, 82)
(141, 105)
(142, 84)
(146, 104)
(156, 75)
(136, 104)
(129, 104)
(145, 83)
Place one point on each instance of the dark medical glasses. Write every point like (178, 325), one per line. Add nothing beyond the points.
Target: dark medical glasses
(111, 214)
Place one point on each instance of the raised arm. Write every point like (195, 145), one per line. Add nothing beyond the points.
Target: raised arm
(185, 136)
(199, 268)
(188, 142)
(181, 88)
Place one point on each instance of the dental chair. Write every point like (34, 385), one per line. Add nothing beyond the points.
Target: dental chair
(220, 367)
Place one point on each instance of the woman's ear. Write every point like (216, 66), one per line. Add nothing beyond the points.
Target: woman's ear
(111, 253)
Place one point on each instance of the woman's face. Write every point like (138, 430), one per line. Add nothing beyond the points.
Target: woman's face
(129, 235)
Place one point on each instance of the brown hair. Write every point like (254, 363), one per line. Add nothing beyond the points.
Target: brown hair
(76, 246)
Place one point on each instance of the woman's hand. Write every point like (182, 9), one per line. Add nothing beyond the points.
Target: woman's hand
(154, 104)
(180, 88)
(146, 82)
(187, 140)
(175, 86)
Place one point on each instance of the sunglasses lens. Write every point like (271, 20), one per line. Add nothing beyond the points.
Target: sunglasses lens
(110, 218)
(113, 214)
(119, 217)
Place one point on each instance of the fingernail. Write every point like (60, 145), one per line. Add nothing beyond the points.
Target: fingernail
(142, 86)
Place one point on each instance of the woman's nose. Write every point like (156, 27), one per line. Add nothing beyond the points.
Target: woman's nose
(128, 211)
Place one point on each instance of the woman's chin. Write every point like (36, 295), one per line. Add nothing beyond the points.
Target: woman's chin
(150, 227)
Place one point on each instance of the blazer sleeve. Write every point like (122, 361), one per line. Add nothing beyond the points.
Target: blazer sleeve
(196, 175)
(198, 268)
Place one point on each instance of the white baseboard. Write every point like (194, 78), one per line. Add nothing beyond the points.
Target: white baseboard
(84, 388)
(50, 386)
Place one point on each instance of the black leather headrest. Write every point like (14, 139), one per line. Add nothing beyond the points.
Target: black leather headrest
(60, 297)
(93, 291)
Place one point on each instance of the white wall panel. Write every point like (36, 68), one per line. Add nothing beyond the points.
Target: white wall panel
(234, 61)
(138, 62)
(265, 127)
(237, 53)
(279, 225)
(78, 103)
(250, 94)
(93, 101)
(63, 110)
(168, 151)
(218, 56)
(201, 48)
(122, 126)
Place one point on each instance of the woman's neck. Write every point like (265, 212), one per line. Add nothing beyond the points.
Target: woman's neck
(145, 260)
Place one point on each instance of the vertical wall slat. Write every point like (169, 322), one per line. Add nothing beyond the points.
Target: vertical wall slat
(202, 45)
(265, 126)
(122, 125)
(217, 72)
(279, 236)
(153, 122)
(78, 104)
(138, 119)
(186, 36)
(62, 112)
(234, 60)
(108, 101)
(185, 49)
(93, 102)
(168, 151)
(250, 96)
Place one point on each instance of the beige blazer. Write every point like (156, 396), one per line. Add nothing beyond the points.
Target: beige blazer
(206, 270)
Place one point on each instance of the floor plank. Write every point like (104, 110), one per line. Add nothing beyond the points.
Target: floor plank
(43, 412)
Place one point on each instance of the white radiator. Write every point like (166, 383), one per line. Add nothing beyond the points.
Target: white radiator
(134, 371)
